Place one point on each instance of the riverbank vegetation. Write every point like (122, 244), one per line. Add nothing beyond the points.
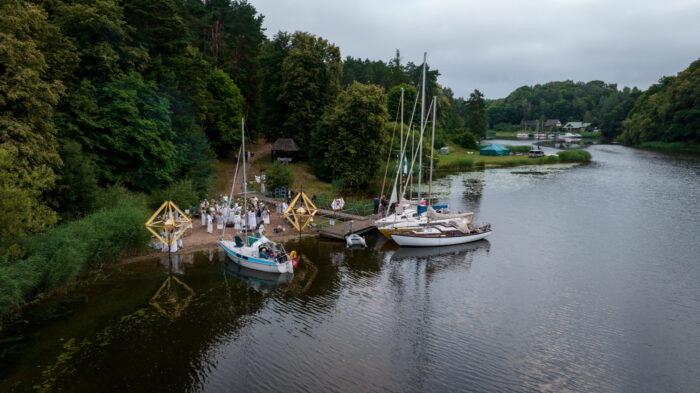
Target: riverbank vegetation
(668, 112)
(460, 159)
(149, 95)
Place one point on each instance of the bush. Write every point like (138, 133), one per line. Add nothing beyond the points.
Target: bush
(183, 193)
(574, 155)
(57, 256)
(467, 140)
(278, 175)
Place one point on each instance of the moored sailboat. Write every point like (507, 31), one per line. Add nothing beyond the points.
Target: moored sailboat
(446, 234)
(262, 254)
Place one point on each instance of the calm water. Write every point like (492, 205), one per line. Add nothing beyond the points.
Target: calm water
(590, 282)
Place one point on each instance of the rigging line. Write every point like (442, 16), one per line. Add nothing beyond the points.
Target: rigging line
(391, 146)
(420, 143)
(230, 196)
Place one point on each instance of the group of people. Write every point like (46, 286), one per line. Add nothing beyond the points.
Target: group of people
(232, 213)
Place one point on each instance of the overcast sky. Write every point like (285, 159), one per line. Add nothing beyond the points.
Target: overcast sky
(498, 45)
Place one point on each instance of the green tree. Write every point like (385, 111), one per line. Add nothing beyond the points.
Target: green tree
(273, 110)
(224, 125)
(476, 114)
(310, 84)
(278, 175)
(133, 140)
(28, 92)
(77, 181)
(22, 211)
(394, 99)
(352, 132)
(668, 111)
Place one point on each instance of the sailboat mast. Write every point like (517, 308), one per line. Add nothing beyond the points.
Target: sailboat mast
(422, 125)
(432, 151)
(245, 185)
(401, 153)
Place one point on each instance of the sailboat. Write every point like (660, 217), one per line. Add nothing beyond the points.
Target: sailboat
(408, 216)
(262, 253)
(439, 229)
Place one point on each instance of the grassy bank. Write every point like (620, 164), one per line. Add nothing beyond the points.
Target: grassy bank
(56, 257)
(458, 159)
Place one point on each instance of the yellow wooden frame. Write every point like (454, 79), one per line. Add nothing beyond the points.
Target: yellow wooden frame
(169, 226)
(305, 211)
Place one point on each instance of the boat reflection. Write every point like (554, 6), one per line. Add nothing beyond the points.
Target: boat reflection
(425, 252)
(256, 276)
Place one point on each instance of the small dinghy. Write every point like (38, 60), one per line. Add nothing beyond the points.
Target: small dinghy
(355, 240)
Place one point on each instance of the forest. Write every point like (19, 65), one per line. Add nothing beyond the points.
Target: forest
(107, 106)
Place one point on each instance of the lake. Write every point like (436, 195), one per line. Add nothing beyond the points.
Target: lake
(590, 282)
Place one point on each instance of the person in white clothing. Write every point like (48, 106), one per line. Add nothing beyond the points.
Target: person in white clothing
(210, 228)
(261, 229)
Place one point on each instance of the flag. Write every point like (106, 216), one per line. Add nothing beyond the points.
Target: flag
(405, 165)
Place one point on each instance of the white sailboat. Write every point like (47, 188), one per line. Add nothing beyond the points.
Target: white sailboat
(262, 254)
(445, 234)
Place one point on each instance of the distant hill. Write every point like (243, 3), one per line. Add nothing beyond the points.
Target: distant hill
(595, 102)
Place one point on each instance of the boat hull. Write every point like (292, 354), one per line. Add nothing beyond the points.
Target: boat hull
(255, 263)
(437, 241)
(387, 232)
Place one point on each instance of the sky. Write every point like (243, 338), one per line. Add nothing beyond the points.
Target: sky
(497, 46)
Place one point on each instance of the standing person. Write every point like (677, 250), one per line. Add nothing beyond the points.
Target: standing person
(203, 213)
(289, 196)
(210, 218)
(313, 199)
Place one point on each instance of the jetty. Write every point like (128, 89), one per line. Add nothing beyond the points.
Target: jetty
(332, 224)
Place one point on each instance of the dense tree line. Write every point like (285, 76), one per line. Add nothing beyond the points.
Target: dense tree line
(147, 93)
(668, 111)
(133, 92)
(593, 102)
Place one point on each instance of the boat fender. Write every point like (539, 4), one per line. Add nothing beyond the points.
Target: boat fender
(293, 256)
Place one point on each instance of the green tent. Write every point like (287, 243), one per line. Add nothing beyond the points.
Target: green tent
(494, 149)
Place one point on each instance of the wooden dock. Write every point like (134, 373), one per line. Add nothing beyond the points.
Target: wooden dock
(345, 223)
(342, 229)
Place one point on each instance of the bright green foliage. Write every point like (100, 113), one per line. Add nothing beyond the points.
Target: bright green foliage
(224, 124)
(310, 84)
(134, 141)
(77, 181)
(21, 210)
(278, 175)
(669, 111)
(273, 110)
(476, 116)
(574, 155)
(57, 256)
(394, 100)
(27, 91)
(349, 143)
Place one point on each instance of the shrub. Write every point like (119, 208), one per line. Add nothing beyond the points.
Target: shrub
(467, 140)
(278, 175)
(519, 148)
(183, 193)
(574, 155)
(57, 256)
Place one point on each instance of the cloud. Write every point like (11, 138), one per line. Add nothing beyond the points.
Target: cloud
(499, 45)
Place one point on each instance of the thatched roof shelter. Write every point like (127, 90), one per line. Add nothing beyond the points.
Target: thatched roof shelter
(284, 147)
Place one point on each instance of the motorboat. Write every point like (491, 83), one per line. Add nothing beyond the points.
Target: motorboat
(522, 135)
(436, 235)
(535, 152)
(263, 255)
(355, 240)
